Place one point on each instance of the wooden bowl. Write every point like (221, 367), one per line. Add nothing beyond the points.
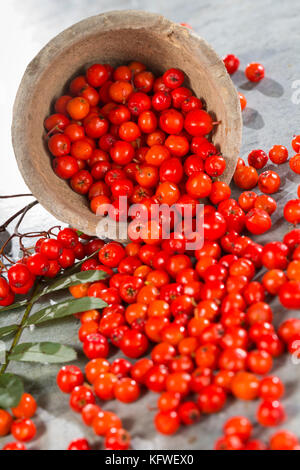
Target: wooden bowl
(116, 38)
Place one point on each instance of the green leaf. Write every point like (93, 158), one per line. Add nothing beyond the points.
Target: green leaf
(46, 352)
(11, 390)
(74, 279)
(14, 306)
(7, 330)
(65, 309)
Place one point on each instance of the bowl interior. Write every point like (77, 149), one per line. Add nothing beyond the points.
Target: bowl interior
(160, 45)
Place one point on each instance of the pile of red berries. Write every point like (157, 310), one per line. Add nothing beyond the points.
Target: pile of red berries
(19, 423)
(254, 72)
(123, 132)
(70, 380)
(237, 433)
(211, 328)
(51, 255)
(205, 321)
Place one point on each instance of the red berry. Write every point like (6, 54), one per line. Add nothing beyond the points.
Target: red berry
(117, 439)
(127, 390)
(89, 412)
(26, 407)
(291, 211)
(211, 399)
(59, 145)
(134, 344)
(270, 413)
(79, 444)
(68, 378)
(167, 422)
(80, 397)
(231, 442)
(97, 75)
(239, 426)
(283, 440)
(173, 78)
(198, 123)
(18, 276)
(23, 430)
(38, 264)
(4, 288)
(95, 346)
(254, 72)
(271, 388)
(189, 413)
(14, 446)
(258, 159)
(68, 238)
(51, 248)
(278, 154)
(231, 63)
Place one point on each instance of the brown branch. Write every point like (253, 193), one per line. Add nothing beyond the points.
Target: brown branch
(26, 209)
(16, 195)
(13, 217)
(16, 233)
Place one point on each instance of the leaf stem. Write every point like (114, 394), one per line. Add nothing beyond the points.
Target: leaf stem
(20, 328)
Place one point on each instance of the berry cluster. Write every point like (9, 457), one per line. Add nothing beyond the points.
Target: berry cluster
(237, 433)
(50, 257)
(210, 324)
(70, 380)
(258, 208)
(123, 132)
(254, 72)
(19, 424)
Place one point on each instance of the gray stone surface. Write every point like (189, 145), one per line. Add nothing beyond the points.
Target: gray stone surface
(256, 31)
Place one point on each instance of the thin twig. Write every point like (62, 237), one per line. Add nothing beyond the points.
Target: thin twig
(16, 195)
(8, 221)
(2, 267)
(26, 209)
(54, 129)
(5, 244)
(50, 231)
(16, 233)
(13, 217)
(7, 258)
